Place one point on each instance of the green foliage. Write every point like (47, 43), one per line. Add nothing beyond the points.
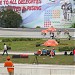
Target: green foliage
(19, 39)
(22, 27)
(73, 25)
(6, 40)
(66, 48)
(10, 19)
(38, 27)
(29, 44)
(58, 40)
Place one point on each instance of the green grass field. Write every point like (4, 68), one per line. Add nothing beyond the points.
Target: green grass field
(30, 46)
(58, 59)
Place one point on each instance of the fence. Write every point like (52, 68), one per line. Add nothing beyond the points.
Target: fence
(39, 71)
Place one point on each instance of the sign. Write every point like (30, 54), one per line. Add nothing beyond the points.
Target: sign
(42, 13)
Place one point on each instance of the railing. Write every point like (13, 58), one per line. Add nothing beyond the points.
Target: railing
(39, 71)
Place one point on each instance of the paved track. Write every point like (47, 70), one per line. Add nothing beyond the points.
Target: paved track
(30, 33)
(34, 29)
(32, 53)
(40, 69)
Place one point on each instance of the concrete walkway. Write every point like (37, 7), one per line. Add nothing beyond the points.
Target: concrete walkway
(40, 69)
(32, 53)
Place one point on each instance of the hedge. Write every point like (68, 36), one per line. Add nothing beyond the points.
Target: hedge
(19, 39)
(66, 48)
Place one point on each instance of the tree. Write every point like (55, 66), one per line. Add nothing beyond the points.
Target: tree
(10, 19)
(73, 25)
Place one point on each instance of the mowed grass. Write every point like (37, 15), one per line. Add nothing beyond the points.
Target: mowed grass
(58, 60)
(31, 45)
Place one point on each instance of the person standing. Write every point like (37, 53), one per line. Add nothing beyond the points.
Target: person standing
(52, 35)
(74, 54)
(9, 64)
(5, 49)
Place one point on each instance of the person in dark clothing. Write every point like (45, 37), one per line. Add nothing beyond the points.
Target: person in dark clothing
(48, 52)
(52, 35)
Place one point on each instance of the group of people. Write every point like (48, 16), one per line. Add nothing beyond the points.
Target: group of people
(46, 52)
(66, 32)
(10, 66)
(52, 35)
(51, 31)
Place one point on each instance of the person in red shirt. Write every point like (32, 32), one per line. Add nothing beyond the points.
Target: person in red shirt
(10, 67)
(52, 53)
(74, 54)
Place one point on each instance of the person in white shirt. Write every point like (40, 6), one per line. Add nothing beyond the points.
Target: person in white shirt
(5, 49)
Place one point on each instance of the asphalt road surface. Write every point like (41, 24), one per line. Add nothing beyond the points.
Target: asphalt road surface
(31, 33)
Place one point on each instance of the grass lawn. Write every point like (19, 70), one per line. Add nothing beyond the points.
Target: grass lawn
(58, 59)
(20, 46)
(31, 45)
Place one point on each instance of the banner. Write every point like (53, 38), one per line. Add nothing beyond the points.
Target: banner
(43, 13)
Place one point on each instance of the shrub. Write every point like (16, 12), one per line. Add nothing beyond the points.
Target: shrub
(15, 39)
(19, 39)
(73, 25)
(58, 40)
(66, 48)
(6, 40)
(38, 27)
